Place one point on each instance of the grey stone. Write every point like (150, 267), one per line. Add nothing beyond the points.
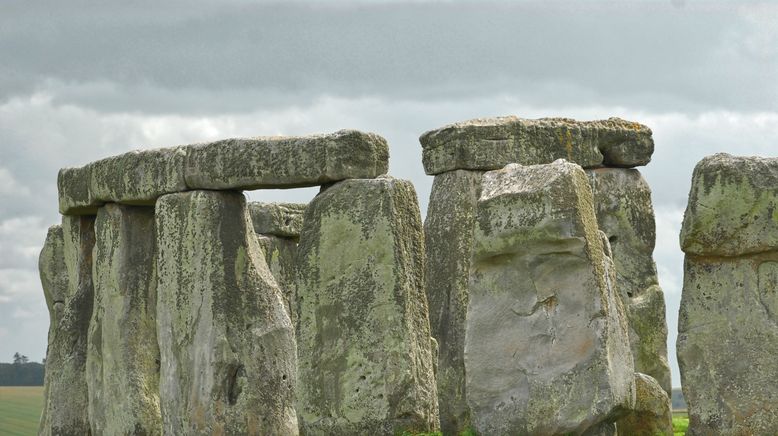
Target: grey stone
(622, 200)
(727, 337)
(277, 219)
(652, 414)
(366, 357)
(546, 345)
(732, 206)
(286, 162)
(122, 364)
(280, 255)
(491, 143)
(65, 409)
(227, 347)
(448, 234)
(75, 197)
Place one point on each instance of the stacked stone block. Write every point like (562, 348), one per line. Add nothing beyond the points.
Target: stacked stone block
(458, 155)
(728, 322)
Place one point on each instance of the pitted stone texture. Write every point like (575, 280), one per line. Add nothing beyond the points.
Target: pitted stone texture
(546, 346)
(733, 206)
(652, 414)
(622, 201)
(122, 363)
(286, 162)
(448, 233)
(491, 143)
(75, 196)
(54, 275)
(65, 409)
(228, 355)
(277, 219)
(366, 359)
(280, 254)
(727, 337)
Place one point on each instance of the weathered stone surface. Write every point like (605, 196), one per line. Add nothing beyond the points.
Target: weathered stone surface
(448, 234)
(286, 162)
(277, 219)
(733, 206)
(65, 409)
(227, 347)
(366, 359)
(652, 414)
(138, 177)
(280, 255)
(546, 346)
(727, 337)
(622, 201)
(122, 364)
(75, 197)
(491, 143)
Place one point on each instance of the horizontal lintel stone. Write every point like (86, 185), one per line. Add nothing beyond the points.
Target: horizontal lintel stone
(491, 143)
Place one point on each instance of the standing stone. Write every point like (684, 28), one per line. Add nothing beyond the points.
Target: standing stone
(366, 359)
(728, 322)
(448, 235)
(622, 201)
(652, 414)
(278, 227)
(65, 409)
(122, 364)
(228, 354)
(546, 345)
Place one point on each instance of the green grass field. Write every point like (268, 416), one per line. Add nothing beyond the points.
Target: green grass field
(20, 409)
(680, 423)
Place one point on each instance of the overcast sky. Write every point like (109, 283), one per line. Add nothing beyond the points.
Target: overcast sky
(84, 80)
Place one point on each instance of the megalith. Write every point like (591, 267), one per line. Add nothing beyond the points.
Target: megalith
(546, 344)
(66, 275)
(122, 364)
(366, 355)
(278, 226)
(728, 327)
(227, 346)
(652, 414)
(622, 201)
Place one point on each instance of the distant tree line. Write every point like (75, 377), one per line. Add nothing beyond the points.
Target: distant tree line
(22, 372)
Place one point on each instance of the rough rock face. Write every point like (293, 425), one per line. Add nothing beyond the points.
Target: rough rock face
(228, 355)
(622, 201)
(122, 364)
(652, 414)
(277, 219)
(70, 304)
(491, 143)
(728, 327)
(546, 346)
(366, 359)
(448, 233)
(286, 162)
(140, 177)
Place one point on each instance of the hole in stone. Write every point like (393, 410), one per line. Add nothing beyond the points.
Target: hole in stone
(234, 383)
(613, 239)
(283, 377)
(362, 377)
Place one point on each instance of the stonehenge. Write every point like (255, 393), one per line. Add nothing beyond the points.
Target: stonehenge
(727, 329)
(527, 301)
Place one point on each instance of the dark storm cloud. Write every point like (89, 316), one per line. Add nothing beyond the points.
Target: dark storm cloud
(239, 56)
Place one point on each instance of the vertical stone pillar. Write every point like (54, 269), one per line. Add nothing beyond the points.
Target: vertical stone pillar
(123, 355)
(66, 276)
(546, 345)
(366, 360)
(728, 322)
(227, 347)
(448, 235)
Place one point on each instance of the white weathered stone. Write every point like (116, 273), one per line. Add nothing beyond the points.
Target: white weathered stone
(546, 345)
(366, 358)
(228, 355)
(65, 409)
(491, 143)
(286, 162)
(448, 235)
(122, 363)
(622, 201)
